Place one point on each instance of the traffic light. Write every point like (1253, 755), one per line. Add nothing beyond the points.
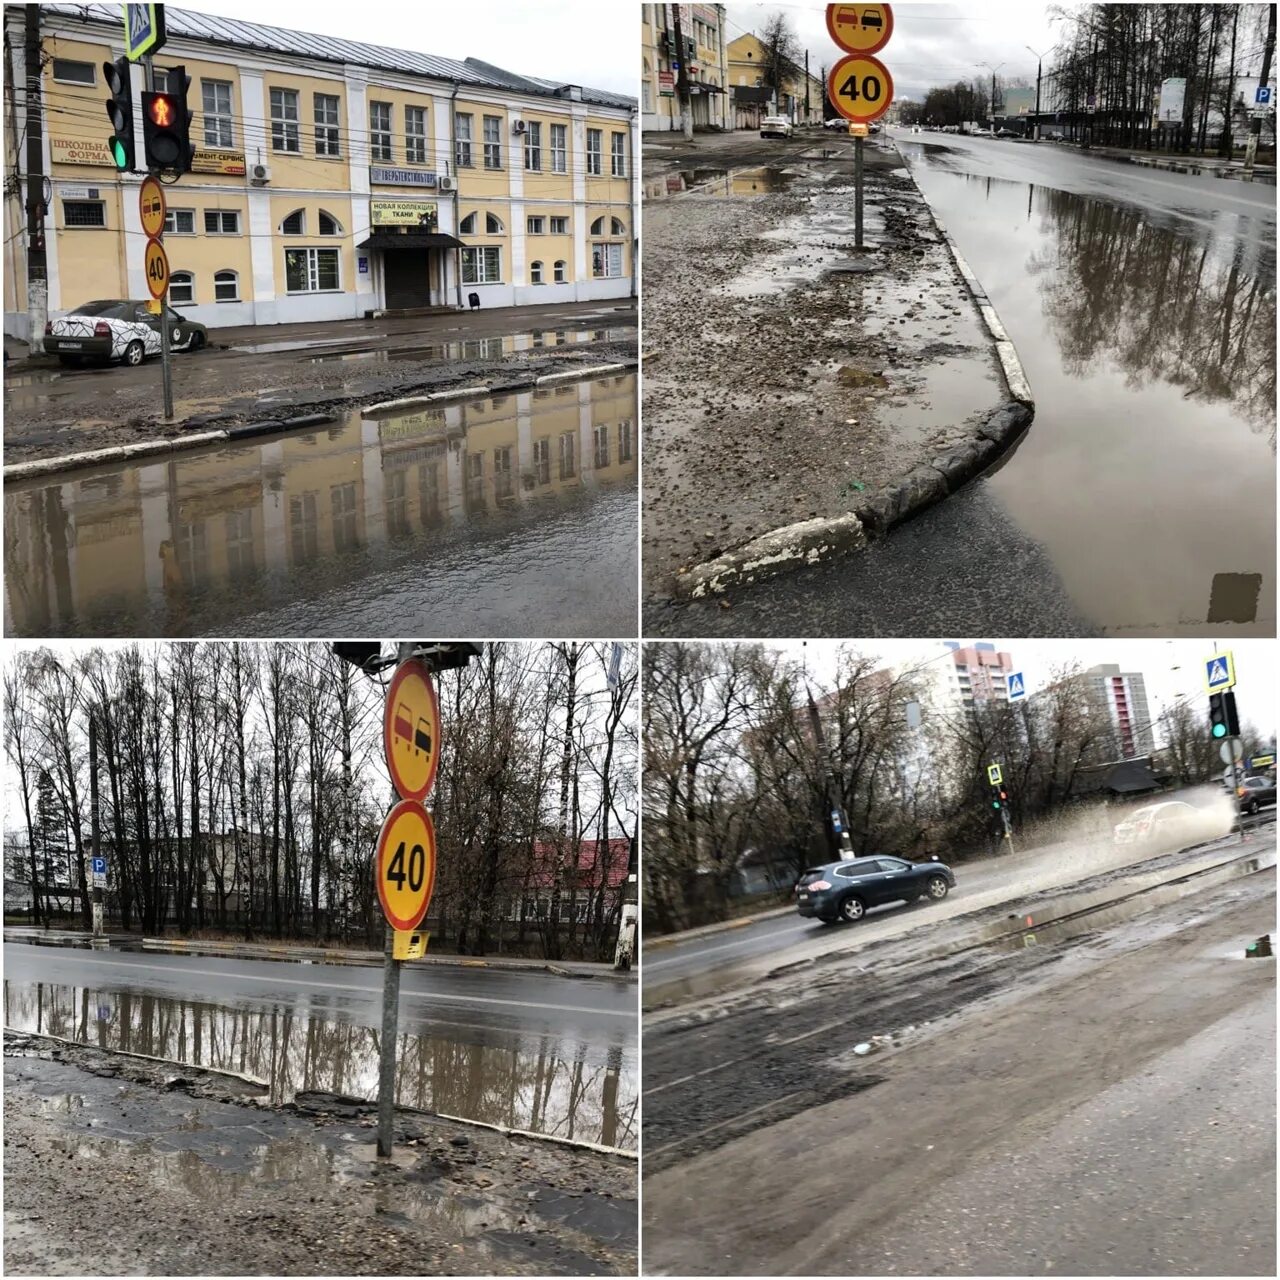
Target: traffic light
(1229, 706)
(166, 126)
(120, 113)
(1218, 718)
(1000, 797)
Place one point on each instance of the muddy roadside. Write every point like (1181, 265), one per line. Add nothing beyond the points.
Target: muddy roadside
(791, 379)
(51, 412)
(1015, 1043)
(118, 1165)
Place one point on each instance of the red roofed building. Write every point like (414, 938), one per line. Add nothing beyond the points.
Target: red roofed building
(596, 868)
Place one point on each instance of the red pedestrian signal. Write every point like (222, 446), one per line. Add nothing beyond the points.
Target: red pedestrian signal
(166, 126)
(160, 109)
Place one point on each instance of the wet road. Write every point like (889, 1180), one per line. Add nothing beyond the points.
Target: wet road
(688, 966)
(1142, 501)
(557, 1055)
(511, 515)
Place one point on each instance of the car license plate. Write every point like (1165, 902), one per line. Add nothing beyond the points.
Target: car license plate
(804, 897)
(71, 346)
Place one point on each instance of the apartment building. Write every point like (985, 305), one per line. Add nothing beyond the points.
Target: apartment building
(333, 179)
(1124, 696)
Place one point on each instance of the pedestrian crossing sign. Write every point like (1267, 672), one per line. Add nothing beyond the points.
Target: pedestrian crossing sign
(1219, 673)
(1017, 687)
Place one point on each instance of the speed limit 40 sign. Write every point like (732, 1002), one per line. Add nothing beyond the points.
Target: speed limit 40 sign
(860, 88)
(405, 864)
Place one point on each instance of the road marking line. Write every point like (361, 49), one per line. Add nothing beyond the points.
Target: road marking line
(350, 986)
(724, 946)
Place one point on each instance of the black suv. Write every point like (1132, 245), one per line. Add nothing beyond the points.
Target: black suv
(845, 890)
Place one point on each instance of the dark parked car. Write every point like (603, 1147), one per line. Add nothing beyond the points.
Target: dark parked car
(1253, 793)
(118, 329)
(845, 890)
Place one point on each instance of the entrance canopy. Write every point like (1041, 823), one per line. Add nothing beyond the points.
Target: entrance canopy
(410, 240)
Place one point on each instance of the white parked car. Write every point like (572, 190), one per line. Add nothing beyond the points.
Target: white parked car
(775, 127)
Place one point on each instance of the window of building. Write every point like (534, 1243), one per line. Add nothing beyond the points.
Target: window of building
(493, 142)
(559, 148)
(503, 476)
(462, 143)
(646, 92)
(295, 224)
(328, 224)
(415, 135)
(617, 227)
(533, 145)
(568, 455)
(492, 224)
(542, 459)
(597, 227)
(311, 270)
(380, 131)
(304, 527)
(180, 222)
(326, 108)
(559, 226)
(221, 222)
(182, 288)
(618, 155)
(535, 226)
(601, 438)
(84, 213)
(595, 140)
(215, 99)
(226, 286)
(624, 440)
(606, 260)
(559, 272)
(71, 72)
(284, 120)
(482, 265)
(467, 227)
(535, 273)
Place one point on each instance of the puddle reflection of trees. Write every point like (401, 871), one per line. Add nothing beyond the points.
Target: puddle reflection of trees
(541, 1083)
(1158, 305)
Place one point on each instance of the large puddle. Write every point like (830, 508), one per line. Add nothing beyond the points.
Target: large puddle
(511, 515)
(543, 1082)
(1148, 338)
(494, 348)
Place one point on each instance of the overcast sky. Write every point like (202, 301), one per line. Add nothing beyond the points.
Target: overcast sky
(1172, 669)
(932, 44)
(571, 41)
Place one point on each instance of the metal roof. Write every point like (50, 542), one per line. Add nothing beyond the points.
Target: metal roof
(255, 35)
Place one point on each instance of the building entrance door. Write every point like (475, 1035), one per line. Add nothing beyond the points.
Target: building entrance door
(408, 278)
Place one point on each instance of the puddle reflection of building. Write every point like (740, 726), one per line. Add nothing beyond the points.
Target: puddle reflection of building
(540, 1082)
(152, 534)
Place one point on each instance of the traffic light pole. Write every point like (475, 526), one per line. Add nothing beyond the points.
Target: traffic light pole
(387, 1050)
(166, 368)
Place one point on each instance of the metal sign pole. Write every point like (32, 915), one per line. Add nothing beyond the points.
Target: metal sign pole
(387, 1057)
(166, 369)
(1233, 743)
(857, 191)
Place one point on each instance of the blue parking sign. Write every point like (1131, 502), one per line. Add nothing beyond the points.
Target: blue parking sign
(1262, 96)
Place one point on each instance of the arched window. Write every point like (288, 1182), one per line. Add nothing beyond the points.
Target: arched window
(467, 227)
(295, 224)
(597, 227)
(617, 227)
(535, 273)
(329, 225)
(492, 224)
(559, 272)
(226, 286)
(182, 288)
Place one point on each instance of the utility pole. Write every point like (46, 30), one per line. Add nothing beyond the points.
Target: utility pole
(682, 80)
(624, 952)
(1039, 62)
(95, 828)
(37, 268)
(806, 86)
(993, 71)
(1255, 125)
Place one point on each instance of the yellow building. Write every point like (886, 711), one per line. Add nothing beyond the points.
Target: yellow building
(332, 179)
(702, 27)
(800, 98)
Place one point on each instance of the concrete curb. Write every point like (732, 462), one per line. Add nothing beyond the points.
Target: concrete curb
(813, 541)
(280, 426)
(710, 930)
(1266, 176)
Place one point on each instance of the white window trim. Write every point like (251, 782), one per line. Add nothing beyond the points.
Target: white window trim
(190, 282)
(221, 271)
(285, 122)
(84, 226)
(480, 250)
(80, 84)
(229, 117)
(333, 129)
(312, 248)
(175, 231)
(220, 212)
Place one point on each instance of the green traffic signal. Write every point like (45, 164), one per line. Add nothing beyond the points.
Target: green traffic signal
(995, 804)
(119, 154)
(1219, 730)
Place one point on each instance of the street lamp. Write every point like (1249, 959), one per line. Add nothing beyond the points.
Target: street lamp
(993, 71)
(1039, 60)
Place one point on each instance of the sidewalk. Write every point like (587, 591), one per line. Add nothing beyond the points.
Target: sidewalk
(118, 1166)
(1213, 166)
(301, 954)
